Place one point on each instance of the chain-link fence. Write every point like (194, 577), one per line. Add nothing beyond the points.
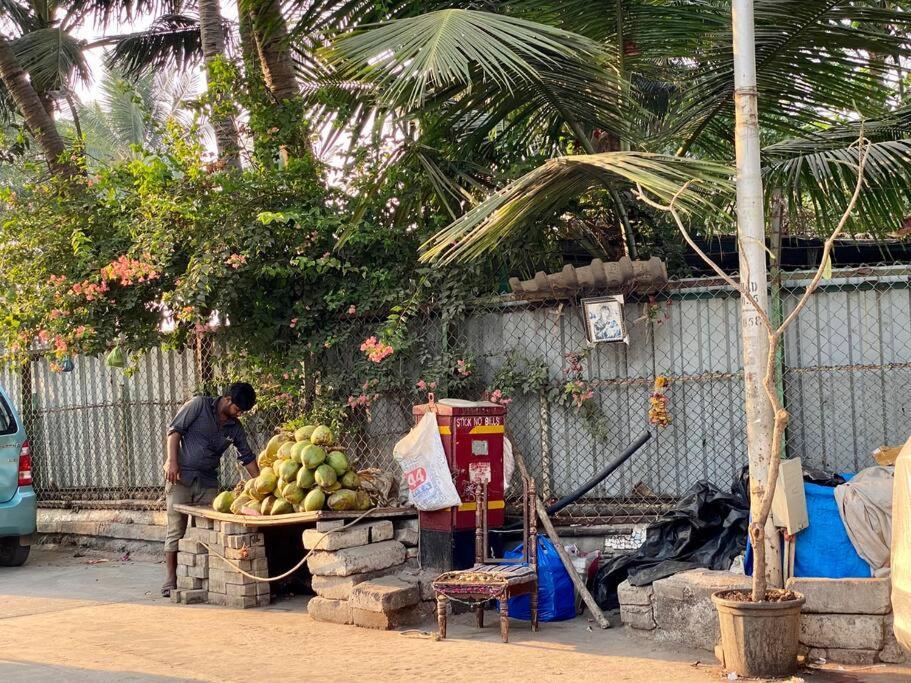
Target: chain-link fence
(98, 434)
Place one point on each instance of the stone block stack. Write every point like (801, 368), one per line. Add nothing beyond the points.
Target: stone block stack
(362, 574)
(202, 577)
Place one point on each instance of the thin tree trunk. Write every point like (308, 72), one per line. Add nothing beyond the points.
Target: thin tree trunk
(753, 277)
(32, 110)
(211, 29)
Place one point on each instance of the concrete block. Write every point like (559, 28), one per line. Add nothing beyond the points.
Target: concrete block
(246, 589)
(359, 534)
(187, 559)
(257, 567)
(238, 602)
(638, 616)
(848, 656)
(264, 600)
(245, 553)
(423, 579)
(189, 583)
(237, 541)
(634, 595)
(218, 585)
(332, 611)
(231, 528)
(844, 596)
(217, 599)
(182, 570)
(194, 597)
(683, 608)
(329, 524)
(358, 560)
(842, 631)
(407, 537)
(203, 522)
(385, 621)
(233, 577)
(407, 523)
(175, 595)
(892, 652)
(187, 545)
(411, 553)
(381, 531)
(201, 571)
(340, 587)
(387, 594)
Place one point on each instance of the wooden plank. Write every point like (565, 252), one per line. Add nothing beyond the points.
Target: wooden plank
(294, 517)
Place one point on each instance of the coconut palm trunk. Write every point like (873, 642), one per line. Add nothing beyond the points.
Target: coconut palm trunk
(272, 45)
(32, 110)
(212, 34)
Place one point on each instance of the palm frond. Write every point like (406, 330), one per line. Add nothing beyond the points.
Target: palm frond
(52, 58)
(21, 15)
(172, 42)
(817, 174)
(549, 187)
(411, 58)
(812, 57)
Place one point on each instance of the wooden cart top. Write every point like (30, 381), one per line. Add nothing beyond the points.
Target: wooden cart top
(292, 517)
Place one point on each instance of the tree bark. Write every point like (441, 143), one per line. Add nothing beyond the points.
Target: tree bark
(211, 29)
(32, 110)
(754, 278)
(271, 32)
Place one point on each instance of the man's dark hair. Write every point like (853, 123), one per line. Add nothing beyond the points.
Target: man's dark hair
(242, 395)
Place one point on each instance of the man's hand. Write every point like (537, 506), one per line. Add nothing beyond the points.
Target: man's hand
(171, 471)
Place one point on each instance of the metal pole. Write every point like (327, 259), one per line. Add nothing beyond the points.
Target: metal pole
(753, 272)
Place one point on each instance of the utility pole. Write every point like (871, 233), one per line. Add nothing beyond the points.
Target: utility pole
(753, 271)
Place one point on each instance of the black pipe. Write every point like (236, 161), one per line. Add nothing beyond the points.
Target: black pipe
(591, 483)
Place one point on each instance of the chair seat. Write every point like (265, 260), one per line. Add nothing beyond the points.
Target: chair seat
(512, 573)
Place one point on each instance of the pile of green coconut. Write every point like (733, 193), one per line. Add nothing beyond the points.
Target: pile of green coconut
(304, 471)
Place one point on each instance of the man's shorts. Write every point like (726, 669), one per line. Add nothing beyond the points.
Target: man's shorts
(181, 494)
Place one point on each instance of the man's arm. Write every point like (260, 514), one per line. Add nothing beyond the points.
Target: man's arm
(244, 453)
(171, 466)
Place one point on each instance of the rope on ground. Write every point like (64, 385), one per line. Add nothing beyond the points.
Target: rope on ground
(422, 635)
(295, 567)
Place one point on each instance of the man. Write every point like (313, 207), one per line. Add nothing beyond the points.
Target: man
(197, 437)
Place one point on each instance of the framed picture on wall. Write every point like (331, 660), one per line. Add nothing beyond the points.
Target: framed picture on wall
(604, 319)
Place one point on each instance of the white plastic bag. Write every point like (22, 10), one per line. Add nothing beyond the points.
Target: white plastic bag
(424, 468)
(509, 463)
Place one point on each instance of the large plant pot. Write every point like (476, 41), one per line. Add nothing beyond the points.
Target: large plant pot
(759, 638)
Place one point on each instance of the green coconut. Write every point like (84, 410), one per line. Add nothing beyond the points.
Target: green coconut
(313, 456)
(266, 481)
(362, 501)
(293, 493)
(344, 499)
(281, 507)
(288, 470)
(275, 443)
(350, 480)
(305, 478)
(322, 436)
(304, 433)
(338, 462)
(297, 449)
(314, 501)
(325, 475)
(222, 502)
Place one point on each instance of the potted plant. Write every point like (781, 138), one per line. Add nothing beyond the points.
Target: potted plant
(760, 628)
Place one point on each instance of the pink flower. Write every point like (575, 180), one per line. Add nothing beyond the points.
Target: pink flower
(352, 310)
(422, 385)
(44, 336)
(56, 314)
(376, 351)
(293, 323)
(236, 260)
(462, 368)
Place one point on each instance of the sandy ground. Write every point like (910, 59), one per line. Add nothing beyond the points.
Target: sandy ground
(66, 618)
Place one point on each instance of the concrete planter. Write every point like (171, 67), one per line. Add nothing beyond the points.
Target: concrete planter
(759, 639)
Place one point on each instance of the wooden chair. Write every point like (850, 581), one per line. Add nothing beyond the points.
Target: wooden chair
(493, 578)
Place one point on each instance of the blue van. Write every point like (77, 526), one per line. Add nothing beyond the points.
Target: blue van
(18, 506)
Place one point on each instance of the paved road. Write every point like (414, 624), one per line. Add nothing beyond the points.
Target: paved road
(65, 618)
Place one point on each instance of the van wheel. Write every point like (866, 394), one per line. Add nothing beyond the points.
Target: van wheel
(12, 554)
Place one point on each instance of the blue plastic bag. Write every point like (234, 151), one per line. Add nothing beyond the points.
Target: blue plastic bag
(556, 595)
(823, 549)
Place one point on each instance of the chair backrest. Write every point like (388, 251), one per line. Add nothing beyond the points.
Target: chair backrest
(529, 525)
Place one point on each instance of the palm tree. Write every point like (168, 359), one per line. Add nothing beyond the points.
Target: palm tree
(33, 111)
(655, 75)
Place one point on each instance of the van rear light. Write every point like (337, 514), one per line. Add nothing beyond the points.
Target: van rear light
(25, 465)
